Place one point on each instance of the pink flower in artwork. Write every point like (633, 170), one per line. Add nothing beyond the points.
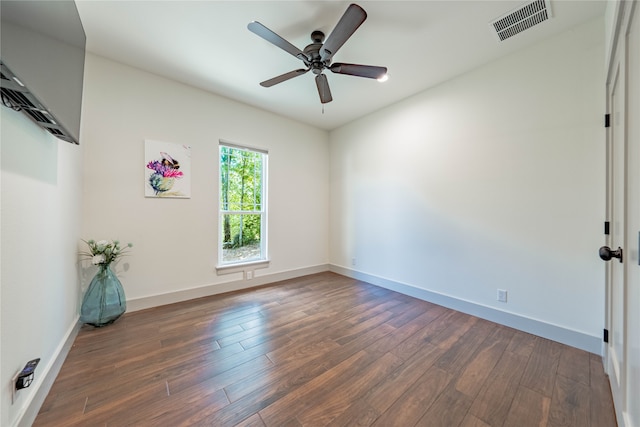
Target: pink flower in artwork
(172, 173)
(164, 170)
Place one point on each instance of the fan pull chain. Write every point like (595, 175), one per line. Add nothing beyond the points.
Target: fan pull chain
(322, 108)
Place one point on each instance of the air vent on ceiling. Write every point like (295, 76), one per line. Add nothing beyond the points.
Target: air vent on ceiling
(525, 17)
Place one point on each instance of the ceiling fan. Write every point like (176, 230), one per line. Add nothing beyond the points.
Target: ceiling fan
(317, 56)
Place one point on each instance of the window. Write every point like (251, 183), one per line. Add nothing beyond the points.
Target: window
(242, 218)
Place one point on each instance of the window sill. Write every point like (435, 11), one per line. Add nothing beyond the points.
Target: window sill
(242, 266)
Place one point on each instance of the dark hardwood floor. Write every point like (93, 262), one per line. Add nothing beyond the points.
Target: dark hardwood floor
(322, 350)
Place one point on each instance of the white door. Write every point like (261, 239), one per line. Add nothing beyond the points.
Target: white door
(616, 244)
(622, 355)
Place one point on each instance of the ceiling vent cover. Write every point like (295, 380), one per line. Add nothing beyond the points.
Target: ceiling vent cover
(523, 18)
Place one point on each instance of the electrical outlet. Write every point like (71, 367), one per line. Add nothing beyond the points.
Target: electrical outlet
(353, 262)
(502, 295)
(248, 274)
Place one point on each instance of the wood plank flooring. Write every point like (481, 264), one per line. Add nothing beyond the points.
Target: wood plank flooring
(322, 350)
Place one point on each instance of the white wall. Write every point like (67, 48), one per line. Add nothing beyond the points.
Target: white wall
(493, 180)
(40, 227)
(175, 240)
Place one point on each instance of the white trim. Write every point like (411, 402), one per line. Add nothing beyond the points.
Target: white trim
(618, 15)
(566, 336)
(220, 288)
(242, 266)
(242, 146)
(48, 376)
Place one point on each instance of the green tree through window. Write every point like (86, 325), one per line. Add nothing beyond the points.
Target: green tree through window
(242, 210)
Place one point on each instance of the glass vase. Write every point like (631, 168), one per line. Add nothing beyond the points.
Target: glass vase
(104, 300)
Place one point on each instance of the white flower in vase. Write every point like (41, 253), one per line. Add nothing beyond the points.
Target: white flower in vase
(98, 259)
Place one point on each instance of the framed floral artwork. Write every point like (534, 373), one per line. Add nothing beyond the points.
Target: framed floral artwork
(167, 169)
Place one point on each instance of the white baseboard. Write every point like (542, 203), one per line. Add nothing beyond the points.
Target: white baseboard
(220, 288)
(48, 377)
(580, 340)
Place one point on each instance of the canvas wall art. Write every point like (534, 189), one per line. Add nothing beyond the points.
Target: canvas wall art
(168, 169)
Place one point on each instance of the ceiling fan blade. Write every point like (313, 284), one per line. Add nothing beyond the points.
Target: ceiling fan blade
(369, 71)
(323, 88)
(262, 31)
(283, 77)
(348, 24)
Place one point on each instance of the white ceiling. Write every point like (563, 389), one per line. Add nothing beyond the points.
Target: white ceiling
(206, 44)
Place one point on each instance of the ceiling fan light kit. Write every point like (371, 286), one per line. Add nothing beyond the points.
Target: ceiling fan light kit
(318, 55)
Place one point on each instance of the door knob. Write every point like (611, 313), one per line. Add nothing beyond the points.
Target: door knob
(606, 253)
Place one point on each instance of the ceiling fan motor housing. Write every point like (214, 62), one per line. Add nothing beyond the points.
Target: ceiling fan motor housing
(313, 52)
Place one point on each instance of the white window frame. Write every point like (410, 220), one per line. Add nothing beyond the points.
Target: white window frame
(247, 267)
